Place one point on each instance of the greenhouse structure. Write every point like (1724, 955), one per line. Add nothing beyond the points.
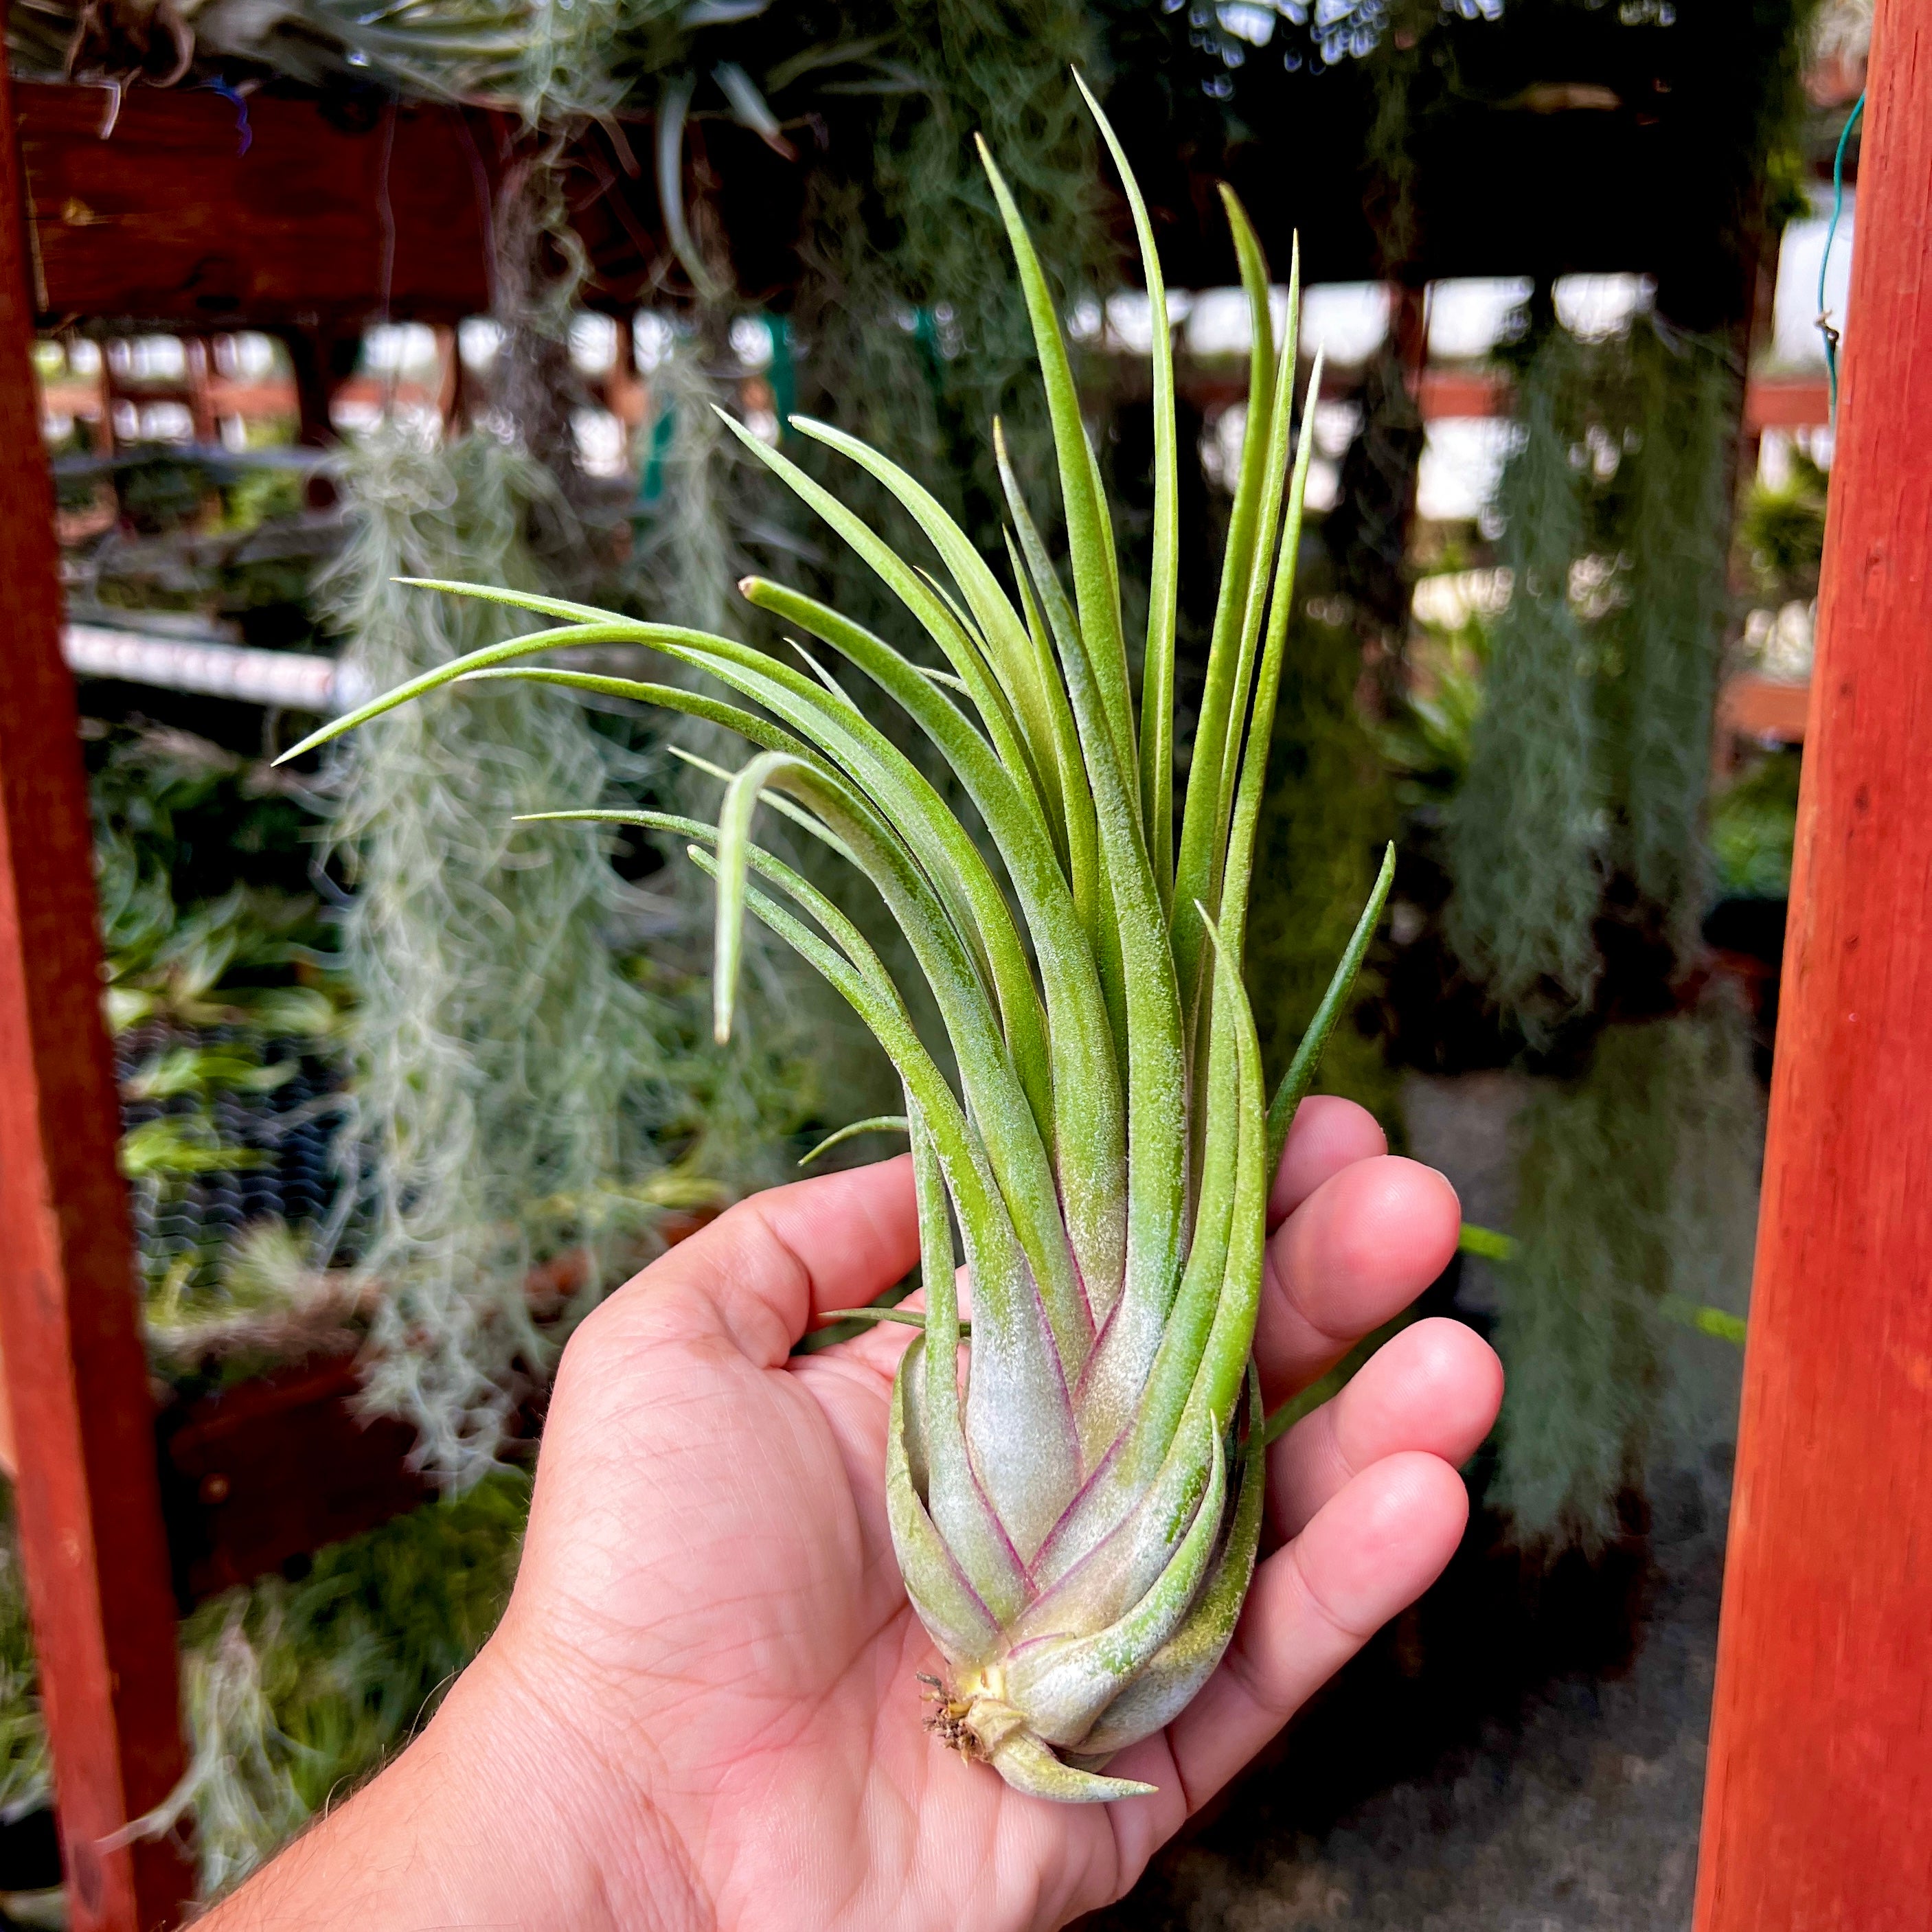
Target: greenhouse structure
(1543, 383)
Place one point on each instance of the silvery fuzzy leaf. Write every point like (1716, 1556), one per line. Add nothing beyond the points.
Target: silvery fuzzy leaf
(1019, 1429)
(1125, 1565)
(955, 1618)
(1174, 1675)
(1063, 1684)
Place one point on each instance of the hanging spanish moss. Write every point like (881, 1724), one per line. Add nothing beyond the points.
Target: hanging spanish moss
(1637, 1208)
(1576, 848)
(1524, 834)
(913, 344)
(498, 1047)
(691, 550)
(1671, 529)
(1590, 759)
(538, 269)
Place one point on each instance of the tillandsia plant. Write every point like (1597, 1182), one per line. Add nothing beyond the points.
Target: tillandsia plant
(1074, 1477)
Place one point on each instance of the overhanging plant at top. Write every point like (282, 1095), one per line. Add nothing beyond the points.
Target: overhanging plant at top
(1076, 1515)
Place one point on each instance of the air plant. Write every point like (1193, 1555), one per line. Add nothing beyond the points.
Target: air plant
(1074, 1478)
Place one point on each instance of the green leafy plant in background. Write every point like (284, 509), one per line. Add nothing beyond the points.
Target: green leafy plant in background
(196, 852)
(224, 991)
(294, 1691)
(1753, 829)
(1781, 530)
(26, 1771)
(1077, 1526)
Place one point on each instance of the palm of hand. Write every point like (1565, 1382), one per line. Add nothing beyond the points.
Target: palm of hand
(710, 1611)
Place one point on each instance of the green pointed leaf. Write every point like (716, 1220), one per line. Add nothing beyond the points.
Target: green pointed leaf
(1300, 1074)
(1064, 1687)
(1163, 596)
(1197, 868)
(1176, 1672)
(1089, 529)
(878, 1123)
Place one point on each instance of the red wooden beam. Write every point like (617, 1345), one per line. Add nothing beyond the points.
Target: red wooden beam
(315, 224)
(1820, 1780)
(89, 1505)
(1787, 402)
(1764, 708)
(277, 1467)
(170, 220)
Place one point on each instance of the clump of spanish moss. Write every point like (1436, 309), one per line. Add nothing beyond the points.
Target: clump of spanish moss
(499, 1049)
(1637, 1211)
(1524, 837)
(915, 348)
(1578, 838)
(1590, 758)
(1671, 527)
(693, 542)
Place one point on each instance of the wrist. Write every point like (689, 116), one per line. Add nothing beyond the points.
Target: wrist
(496, 1816)
(526, 1725)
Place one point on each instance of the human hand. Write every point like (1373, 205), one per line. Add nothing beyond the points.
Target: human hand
(703, 1706)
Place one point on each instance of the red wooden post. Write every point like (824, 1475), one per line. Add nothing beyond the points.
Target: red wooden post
(89, 1505)
(1820, 1782)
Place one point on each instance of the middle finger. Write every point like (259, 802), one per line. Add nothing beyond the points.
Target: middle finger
(1360, 1249)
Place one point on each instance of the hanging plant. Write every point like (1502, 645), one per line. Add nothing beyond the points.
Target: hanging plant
(1077, 1523)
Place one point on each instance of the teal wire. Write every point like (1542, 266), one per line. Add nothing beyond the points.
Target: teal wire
(1830, 333)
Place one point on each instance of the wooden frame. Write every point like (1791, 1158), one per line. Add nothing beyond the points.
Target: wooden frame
(1821, 1747)
(76, 1372)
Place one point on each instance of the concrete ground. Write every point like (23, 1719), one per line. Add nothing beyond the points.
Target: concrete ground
(1467, 1775)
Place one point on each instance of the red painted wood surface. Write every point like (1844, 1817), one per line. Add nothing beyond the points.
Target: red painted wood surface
(1765, 708)
(88, 1504)
(1820, 1783)
(322, 222)
(275, 1468)
(1787, 402)
(169, 221)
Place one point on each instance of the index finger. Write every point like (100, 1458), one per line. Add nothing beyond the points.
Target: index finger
(1329, 1137)
(761, 1272)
